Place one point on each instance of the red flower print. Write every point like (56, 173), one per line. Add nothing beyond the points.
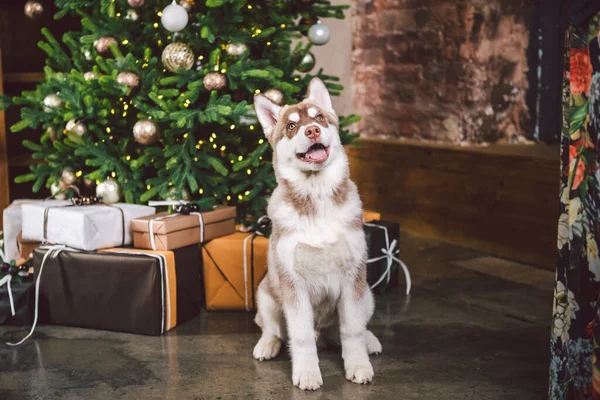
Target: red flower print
(581, 70)
(579, 172)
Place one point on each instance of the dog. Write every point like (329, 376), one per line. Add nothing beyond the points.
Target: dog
(317, 277)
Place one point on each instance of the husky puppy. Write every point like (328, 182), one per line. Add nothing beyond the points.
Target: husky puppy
(316, 276)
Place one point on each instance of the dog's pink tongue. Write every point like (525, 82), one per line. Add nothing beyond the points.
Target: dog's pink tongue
(316, 153)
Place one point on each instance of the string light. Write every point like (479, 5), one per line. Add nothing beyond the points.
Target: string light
(185, 135)
(78, 173)
(261, 141)
(228, 197)
(240, 158)
(196, 159)
(251, 127)
(148, 187)
(240, 196)
(200, 57)
(107, 129)
(232, 161)
(159, 42)
(198, 146)
(111, 137)
(223, 70)
(232, 127)
(155, 25)
(118, 15)
(211, 139)
(296, 79)
(216, 67)
(170, 183)
(214, 135)
(97, 181)
(268, 43)
(282, 26)
(125, 41)
(160, 96)
(214, 145)
(112, 111)
(257, 91)
(125, 106)
(159, 13)
(113, 175)
(249, 7)
(248, 171)
(223, 148)
(124, 113)
(128, 158)
(201, 191)
(247, 193)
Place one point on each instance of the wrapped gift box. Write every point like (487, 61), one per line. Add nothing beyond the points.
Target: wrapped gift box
(369, 216)
(126, 290)
(82, 227)
(23, 299)
(377, 240)
(13, 221)
(233, 267)
(171, 231)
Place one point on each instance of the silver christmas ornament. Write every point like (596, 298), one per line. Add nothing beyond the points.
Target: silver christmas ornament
(319, 34)
(132, 15)
(52, 101)
(275, 96)
(172, 195)
(102, 45)
(135, 3)
(68, 176)
(145, 132)
(214, 81)
(33, 9)
(174, 17)
(177, 56)
(129, 79)
(57, 191)
(108, 191)
(236, 49)
(76, 126)
(88, 76)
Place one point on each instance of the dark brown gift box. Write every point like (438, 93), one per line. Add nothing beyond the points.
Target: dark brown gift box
(122, 292)
(178, 230)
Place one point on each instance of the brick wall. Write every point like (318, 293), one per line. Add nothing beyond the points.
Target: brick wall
(444, 70)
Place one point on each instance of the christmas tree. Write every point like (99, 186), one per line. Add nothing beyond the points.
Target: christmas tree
(153, 99)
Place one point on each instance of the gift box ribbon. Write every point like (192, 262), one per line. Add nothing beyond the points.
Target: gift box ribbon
(262, 224)
(389, 253)
(6, 281)
(176, 206)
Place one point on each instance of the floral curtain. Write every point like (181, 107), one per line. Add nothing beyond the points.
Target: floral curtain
(575, 337)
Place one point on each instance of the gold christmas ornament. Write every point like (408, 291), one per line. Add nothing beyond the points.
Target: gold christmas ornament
(275, 96)
(187, 4)
(68, 176)
(129, 79)
(102, 45)
(34, 9)
(52, 101)
(214, 81)
(135, 3)
(108, 191)
(88, 76)
(236, 49)
(145, 132)
(76, 126)
(177, 55)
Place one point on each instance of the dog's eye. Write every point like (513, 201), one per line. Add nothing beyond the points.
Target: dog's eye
(291, 126)
(320, 117)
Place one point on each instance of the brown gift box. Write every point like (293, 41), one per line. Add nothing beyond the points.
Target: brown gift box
(26, 247)
(172, 231)
(124, 290)
(230, 282)
(369, 216)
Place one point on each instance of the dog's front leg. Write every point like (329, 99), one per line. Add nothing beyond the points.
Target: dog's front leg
(355, 309)
(303, 345)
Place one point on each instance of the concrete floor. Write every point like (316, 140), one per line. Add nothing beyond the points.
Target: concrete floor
(462, 334)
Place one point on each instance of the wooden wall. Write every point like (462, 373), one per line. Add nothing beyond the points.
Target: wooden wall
(499, 199)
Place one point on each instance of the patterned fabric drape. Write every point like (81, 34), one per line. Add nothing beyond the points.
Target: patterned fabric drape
(575, 336)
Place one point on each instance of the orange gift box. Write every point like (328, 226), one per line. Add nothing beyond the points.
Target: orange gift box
(172, 231)
(369, 216)
(233, 267)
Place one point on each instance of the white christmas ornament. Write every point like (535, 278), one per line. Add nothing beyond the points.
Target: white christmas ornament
(57, 191)
(109, 191)
(52, 101)
(132, 15)
(174, 17)
(319, 34)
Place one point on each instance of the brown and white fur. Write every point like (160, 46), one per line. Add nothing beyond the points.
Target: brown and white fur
(316, 276)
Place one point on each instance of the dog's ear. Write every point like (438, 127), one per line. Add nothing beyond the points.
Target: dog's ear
(318, 93)
(267, 113)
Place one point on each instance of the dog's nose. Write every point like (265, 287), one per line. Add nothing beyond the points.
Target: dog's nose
(313, 132)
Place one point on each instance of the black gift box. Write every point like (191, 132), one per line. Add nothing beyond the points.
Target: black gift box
(129, 291)
(23, 297)
(375, 233)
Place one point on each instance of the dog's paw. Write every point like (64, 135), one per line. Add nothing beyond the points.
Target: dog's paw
(308, 378)
(266, 348)
(360, 373)
(373, 344)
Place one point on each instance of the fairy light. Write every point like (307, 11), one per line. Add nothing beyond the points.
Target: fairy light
(97, 181)
(248, 171)
(125, 106)
(118, 15)
(185, 135)
(196, 159)
(201, 191)
(260, 158)
(223, 70)
(120, 99)
(232, 161)
(228, 197)
(268, 43)
(232, 127)
(223, 148)
(211, 139)
(159, 42)
(148, 187)
(169, 37)
(216, 67)
(200, 141)
(240, 196)
(214, 135)
(247, 193)
(128, 158)
(257, 91)
(170, 183)
(214, 145)
(296, 79)
(111, 137)
(159, 13)
(282, 26)
(240, 158)
(114, 175)
(144, 65)
(160, 96)
(249, 7)
(107, 129)
(78, 173)
(125, 41)
(155, 25)
(261, 141)
(198, 146)
(200, 58)
(124, 113)
(112, 111)
(251, 127)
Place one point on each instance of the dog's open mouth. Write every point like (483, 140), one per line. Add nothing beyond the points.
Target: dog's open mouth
(317, 153)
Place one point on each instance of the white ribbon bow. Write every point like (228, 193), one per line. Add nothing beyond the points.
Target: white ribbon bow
(176, 204)
(53, 252)
(389, 253)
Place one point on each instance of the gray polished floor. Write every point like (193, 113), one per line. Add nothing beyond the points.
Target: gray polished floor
(463, 333)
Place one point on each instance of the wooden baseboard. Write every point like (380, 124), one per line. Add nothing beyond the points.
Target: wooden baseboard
(501, 200)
